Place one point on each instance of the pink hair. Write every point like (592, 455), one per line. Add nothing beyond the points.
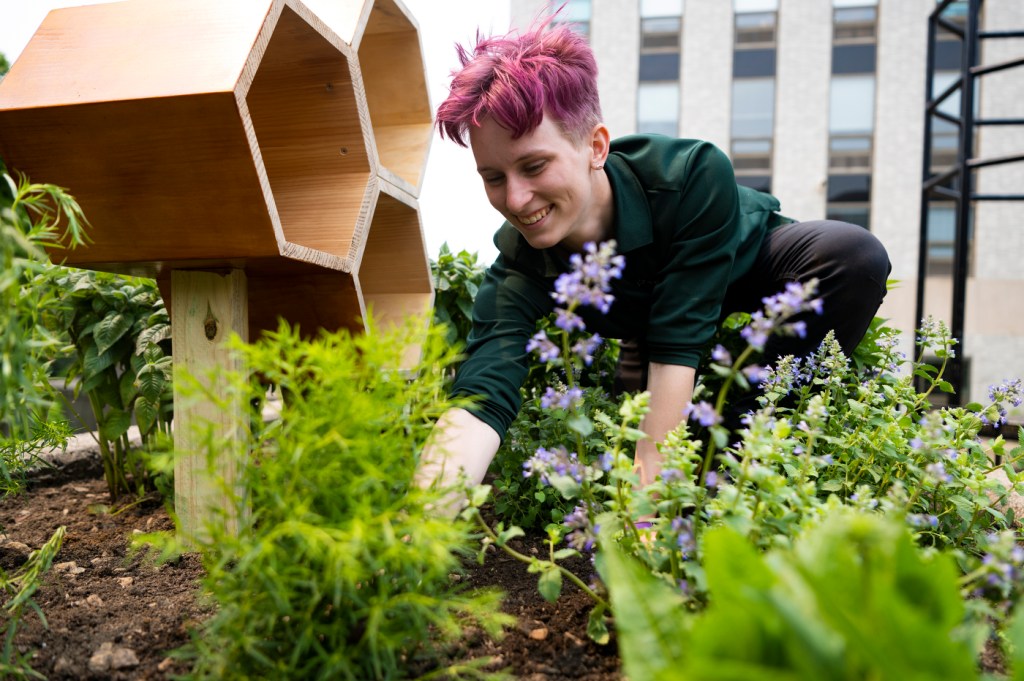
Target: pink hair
(517, 79)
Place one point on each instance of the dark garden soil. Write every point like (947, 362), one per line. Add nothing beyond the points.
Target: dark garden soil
(112, 616)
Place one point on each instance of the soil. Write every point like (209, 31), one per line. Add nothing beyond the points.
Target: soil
(115, 616)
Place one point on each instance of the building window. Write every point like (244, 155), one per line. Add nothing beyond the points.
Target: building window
(942, 236)
(852, 25)
(577, 14)
(658, 108)
(755, 29)
(851, 121)
(661, 27)
(753, 119)
(753, 91)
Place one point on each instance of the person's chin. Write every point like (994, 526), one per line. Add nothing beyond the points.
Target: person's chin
(540, 239)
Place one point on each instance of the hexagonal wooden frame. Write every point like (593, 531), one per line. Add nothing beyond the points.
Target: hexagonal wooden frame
(233, 150)
(255, 148)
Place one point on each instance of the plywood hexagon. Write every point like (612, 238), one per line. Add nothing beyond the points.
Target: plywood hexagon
(385, 36)
(226, 135)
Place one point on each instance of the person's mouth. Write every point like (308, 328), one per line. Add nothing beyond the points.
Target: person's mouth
(534, 218)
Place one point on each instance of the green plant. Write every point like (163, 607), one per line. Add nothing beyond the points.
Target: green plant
(32, 217)
(457, 279)
(18, 589)
(120, 332)
(854, 597)
(341, 569)
(524, 500)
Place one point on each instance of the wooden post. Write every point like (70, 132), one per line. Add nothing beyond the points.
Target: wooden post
(207, 307)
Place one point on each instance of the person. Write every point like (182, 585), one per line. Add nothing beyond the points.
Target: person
(697, 245)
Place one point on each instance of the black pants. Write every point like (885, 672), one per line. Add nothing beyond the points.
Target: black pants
(851, 266)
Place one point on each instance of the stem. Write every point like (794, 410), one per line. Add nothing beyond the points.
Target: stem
(719, 404)
(528, 560)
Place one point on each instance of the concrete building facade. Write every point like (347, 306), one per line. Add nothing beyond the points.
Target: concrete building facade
(821, 102)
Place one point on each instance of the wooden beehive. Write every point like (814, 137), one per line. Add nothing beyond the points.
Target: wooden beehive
(256, 162)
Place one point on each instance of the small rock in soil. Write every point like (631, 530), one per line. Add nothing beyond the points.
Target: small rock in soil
(108, 656)
(94, 600)
(65, 666)
(539, 634)
(70, 567)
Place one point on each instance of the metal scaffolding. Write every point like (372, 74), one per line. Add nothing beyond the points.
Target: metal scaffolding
(957, 182)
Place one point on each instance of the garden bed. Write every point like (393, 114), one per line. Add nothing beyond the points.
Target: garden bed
(112, 616)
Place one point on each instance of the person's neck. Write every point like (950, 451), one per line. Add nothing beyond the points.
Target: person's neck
(601, 226)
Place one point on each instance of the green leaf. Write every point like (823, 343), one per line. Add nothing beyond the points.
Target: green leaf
(115, 424)
(945, 386)
(110, 329)
(581, 424)
(146, 413)
(550, 584)
(650, 617)
(510, 533)
(562, 554)
(597, 629)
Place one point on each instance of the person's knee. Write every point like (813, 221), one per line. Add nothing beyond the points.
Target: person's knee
(860, 254)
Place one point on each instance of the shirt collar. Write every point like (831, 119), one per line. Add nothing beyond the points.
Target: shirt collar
(633, 225)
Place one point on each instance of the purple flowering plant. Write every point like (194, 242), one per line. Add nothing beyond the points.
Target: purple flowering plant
(829, 433)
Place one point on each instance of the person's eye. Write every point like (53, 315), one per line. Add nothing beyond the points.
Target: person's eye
(535, 168)
(493, 180)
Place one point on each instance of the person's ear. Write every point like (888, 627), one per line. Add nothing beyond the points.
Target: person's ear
(600, 141)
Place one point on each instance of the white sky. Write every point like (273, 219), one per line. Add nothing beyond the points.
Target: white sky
(452, 203)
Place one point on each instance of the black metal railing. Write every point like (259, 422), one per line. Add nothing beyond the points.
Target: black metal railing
(957, 182)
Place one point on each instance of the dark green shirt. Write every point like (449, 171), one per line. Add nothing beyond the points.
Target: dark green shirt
(687, 231)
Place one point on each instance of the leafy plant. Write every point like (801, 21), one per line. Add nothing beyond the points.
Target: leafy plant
(18, 589)
(32, 217)
(342, 568)
(120, 331)
(853, 598)
(457, 278)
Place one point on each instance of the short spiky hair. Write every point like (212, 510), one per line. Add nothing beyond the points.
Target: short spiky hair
(517, 79)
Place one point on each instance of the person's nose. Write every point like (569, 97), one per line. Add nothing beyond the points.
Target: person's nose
(518, 194)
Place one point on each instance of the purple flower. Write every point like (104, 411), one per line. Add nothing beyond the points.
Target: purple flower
(937, 470)
(687, 543)
(711, 480)
(586, 347)
(542, 345)
(558, 461)
(567, 399)
(755, 374)
(584, 532)
(568, 321)
(721, 355)
(589, 281)
(703, 413)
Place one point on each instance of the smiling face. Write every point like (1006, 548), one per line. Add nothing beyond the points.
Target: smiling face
(552, 190)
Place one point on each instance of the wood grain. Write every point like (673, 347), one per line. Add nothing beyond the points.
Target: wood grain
(207, 308)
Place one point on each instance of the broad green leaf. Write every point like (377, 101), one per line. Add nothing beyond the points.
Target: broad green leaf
(597, 629)
(550, 584)
(110, 329)
(146, 413)
(650, 617)
(116, 424)
(581, 424)
(511, 533)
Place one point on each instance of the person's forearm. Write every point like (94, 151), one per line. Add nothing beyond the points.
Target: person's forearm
(671, 389)
(460, 444)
